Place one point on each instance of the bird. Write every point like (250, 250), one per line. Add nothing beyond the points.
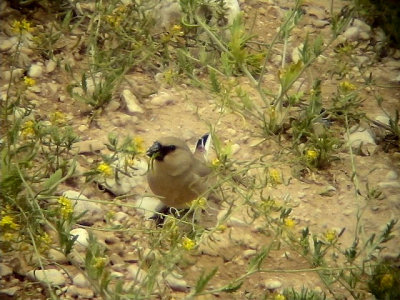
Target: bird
(176, 175)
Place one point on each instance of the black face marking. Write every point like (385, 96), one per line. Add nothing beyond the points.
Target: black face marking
(159, 151)
(164, 151)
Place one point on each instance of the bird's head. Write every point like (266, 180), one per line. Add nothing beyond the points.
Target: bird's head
(159, 150)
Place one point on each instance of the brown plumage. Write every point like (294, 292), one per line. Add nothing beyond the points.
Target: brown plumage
(177, 175)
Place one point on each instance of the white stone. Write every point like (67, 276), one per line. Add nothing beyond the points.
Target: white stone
(51, 276)
(83, 236)
(81, 203)
(80, 293)
(5, 270)
(7, 44)
(176, 284)
(392, 175)
(272, 284)
(135, 273)
(35, 71)
(148, 205)
(162, 99)
(384, 119)
(131, 102)
(80, 281)
(361, 135)
(57, 256)
(389, 184)
(16, 74)
(50, 66)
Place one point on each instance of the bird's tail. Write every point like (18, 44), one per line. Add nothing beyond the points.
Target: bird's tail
(203, 144)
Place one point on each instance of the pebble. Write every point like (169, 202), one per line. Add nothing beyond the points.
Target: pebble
(51, 276)
(135, 273)
(7, 44)
(80, 293)
(389, 184)
(94, 212)
(50, 66)
(176, 283)
(131, 102)
(88, 146)
(35, 71)
(162, 99)
(272, 284)
(11, 291)
(5, 270)
(249, 253)
(16, 74)
(148, 205)
(384, 119)
(57, 256)
(392, 175)
(83, 236)
(80, 281)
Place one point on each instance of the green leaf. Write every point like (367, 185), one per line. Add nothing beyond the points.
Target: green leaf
(204, 279)
(255, 262)
(232, 287)
(318, 43)
(52, 182)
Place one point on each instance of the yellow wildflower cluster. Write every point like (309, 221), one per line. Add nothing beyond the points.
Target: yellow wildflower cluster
(311, 155)
(99, 262)
(274, 176)
(139, 144)
(29, 81)
(386, 282)
(7, 222)
(105, 169)
(221, 227)
(66, 208)
(279, 297)
(289, 223)
(58, 118)
(22, 26)
(347, 86)
(331, 235)
(216, 162)
(45, 241)
(28, 129)
(117, 16)
(176, 30)
(199, 203)
(187, 243)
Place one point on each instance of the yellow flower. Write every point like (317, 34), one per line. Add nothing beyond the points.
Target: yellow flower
(28, 129)
(44, 242)
(275, 176)
(21, 26)
(99, 262)
(66, 207)
(311, 154)
(8, 222)
(139, 144)
(29, 81)
(347, 86)
(386, 281)
(57, 117)
(331, 235)
(177, 30)
(290, 223)
(188, 244)
(105, 169)
(222, 227)
(8, 237)
(200, 203)
(215, 162)
(279, 297)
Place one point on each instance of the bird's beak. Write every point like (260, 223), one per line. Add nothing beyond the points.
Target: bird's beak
(154, 149)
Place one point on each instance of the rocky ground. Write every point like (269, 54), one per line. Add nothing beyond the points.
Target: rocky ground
(145, 107)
